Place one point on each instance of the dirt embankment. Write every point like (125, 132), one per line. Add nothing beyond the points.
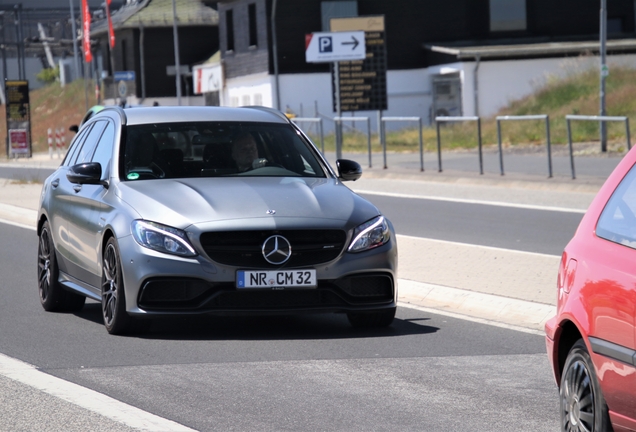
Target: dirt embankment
(53, 107)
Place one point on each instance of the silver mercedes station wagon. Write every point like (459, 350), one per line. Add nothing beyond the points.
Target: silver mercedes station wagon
(204, 210)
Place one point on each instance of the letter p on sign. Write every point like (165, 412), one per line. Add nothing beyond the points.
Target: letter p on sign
(325, 44)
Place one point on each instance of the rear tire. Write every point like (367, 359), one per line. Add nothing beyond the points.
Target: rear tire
(583, 406)
(53, 297)
(372, 319)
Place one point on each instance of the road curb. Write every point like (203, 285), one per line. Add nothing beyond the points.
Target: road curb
(506, 310)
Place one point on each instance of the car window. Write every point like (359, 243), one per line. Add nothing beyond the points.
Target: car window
(104, 148)
(618, 220)
(75, 145)
(214, 149)
(86, 152)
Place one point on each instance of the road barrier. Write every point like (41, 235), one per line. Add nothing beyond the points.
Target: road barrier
(401, 119)
(570, 117)
(50, 140)
(320, 127)
(544, 117)
(363, 119)
(442, 119)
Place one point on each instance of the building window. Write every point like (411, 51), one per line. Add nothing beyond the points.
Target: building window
(229, 27)
(258, 99)
(246, 100)
(251, 11)
(507, 15)
(234, 101)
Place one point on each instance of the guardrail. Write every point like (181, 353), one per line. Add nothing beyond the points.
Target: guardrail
(439, 120)
(401, 119)
(354, 119)
(320, 127)
(570, 117)
(544, 117)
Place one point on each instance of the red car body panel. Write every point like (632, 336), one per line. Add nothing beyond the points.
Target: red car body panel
(597, 295)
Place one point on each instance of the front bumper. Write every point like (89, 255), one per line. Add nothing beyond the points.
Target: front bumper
(160, 284)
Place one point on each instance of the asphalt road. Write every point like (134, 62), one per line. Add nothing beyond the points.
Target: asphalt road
(426, 372)
(538, 231)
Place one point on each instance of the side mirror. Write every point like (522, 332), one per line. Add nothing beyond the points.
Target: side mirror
(74, 128)
(348, 170)
(86, 173)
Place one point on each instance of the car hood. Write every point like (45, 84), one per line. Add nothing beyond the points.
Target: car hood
(184, 202)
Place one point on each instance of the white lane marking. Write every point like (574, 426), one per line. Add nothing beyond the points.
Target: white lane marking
(19, 225)
(472, 319)
(470, 201)
(492, 248)
(83, 397)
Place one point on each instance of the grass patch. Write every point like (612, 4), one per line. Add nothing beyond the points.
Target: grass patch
(575, 94)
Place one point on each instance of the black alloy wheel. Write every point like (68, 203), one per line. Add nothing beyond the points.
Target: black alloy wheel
(583, 407)
(53, 297)
(116, 319)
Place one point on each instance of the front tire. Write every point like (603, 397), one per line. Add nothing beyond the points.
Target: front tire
(583, 406)
(371, 319)
(53, 297)
(116, 319)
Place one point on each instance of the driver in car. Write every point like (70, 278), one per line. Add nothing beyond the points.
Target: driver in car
(245, 152)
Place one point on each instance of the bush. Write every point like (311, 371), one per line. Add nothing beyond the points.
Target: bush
(49, 75)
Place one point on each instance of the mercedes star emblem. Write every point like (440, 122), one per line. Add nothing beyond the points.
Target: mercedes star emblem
(276, 250)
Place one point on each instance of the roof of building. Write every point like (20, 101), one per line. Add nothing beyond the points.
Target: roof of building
(531, 50)
(158, 13)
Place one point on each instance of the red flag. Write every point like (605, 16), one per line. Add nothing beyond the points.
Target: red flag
(111, 31)
(86, 26)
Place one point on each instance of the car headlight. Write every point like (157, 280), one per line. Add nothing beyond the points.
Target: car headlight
(370, 234)
(162, 238)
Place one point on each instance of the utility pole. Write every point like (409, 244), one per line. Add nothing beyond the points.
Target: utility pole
(75, 51)
(604, 73)
(176, 52)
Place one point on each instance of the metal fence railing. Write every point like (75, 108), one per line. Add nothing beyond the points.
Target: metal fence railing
(570, 117)
(544, 117)
(383, 120)
(362, 119)
(320, 127)
(443, 119)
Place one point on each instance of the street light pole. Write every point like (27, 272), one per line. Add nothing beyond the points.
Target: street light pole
(176, 52)
(604, 73)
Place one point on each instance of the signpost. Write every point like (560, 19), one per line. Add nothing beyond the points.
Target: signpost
(362, 83)
(18, 119)
(335, 47)
(121, 85)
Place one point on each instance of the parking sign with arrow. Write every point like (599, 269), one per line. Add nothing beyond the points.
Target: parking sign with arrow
(334, 46)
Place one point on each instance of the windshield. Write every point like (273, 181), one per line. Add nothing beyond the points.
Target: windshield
(212, 149)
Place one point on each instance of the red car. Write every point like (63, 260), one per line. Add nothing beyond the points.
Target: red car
(591, 342)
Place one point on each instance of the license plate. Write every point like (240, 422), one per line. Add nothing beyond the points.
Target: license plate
(276, 279)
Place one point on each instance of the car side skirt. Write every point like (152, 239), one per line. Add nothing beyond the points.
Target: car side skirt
(72, 284)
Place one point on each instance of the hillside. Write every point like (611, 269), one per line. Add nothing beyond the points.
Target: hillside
(54, 107)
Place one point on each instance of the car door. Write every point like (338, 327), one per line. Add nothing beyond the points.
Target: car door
(81, 246)
(59, 208)
(92, 212)
(611, 297)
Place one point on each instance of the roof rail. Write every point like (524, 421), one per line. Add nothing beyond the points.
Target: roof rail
(274, 111)
(119, 111)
